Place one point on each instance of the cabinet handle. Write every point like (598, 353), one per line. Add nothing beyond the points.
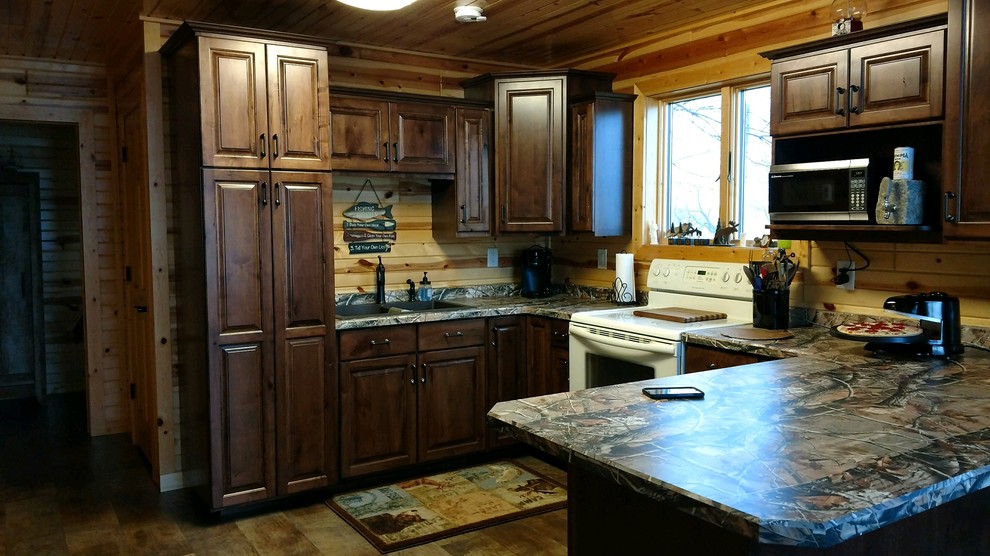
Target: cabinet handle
(278, 193)
(711, 365)
(949, 195)
(275, 146)
(854, 107)
(395, 152)
(264, 193)
(504, 218)
(454, 335)
(839, 110)
(463, 214)
(262, 141)
(386, 152)
(413, 379)
(422, 377)
(384, 342)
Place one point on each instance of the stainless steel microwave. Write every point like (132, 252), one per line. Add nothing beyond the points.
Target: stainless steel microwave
(821, 192)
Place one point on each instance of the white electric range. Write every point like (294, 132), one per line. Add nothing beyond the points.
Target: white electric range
(612, 346)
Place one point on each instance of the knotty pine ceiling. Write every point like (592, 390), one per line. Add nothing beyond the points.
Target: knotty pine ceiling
(530, 33)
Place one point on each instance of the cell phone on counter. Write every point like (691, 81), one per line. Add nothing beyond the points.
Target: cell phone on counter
(673, 393)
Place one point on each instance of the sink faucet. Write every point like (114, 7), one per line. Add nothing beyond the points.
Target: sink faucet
(380, 282)
(412, 289)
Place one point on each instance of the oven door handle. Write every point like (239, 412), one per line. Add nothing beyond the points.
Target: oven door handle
(655, 346)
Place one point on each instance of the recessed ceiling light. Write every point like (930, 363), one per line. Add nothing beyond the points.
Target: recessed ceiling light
(378, 5)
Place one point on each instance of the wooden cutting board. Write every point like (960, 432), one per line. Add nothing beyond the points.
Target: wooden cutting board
(749, 333)
(679, 314)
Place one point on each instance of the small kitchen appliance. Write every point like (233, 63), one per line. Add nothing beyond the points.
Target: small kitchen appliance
(834, 191)
(938, 313)
(536, 265)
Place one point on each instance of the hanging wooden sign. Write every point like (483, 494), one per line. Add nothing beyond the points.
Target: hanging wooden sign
(368, 211)
(369, 247)
(376, 225)
(361, 235)
(366, 216)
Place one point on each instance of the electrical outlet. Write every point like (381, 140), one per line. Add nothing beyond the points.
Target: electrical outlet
(851, 275)
(492, 257)
(603, 258)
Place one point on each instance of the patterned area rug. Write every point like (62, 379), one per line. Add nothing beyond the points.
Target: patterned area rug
(429, 508)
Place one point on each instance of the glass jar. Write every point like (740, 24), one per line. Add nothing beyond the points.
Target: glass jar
(847, 16)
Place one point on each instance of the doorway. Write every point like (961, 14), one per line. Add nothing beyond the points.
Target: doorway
(41, 166)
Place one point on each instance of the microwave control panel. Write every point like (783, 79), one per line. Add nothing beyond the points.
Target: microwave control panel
(857, 190)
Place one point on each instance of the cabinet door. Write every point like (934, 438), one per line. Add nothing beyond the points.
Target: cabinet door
(601, 166)
(298, 108)
(359, 134)
(506, 365)
(306, 385)
(378, 414)
(451, 402)
(897, 80)
(241, 352)
(529, 167)
(473, 171)
(809, 93)
(233, 95)
(422, 137)
(967, 144)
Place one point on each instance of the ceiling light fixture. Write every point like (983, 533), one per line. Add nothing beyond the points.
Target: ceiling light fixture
(468, 14)
(378, 5)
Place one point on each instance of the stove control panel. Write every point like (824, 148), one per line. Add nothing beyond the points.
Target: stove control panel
(700, 277)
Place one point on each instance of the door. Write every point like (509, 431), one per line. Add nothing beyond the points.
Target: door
(451, 402)
(139, 328)
(298, 108)
(305, 353)
(22, 334)
(809, 93)
(359, 134)
(506, 365)
(422, 137)
(238, 253)
(473, 171)
(529, 167)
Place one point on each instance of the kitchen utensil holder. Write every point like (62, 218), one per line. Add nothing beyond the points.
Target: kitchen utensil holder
(771, 309)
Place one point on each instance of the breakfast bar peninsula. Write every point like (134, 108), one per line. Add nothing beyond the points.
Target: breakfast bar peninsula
(793, 456)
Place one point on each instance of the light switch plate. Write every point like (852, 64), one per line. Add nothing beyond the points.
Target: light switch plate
(603, 258)
(492, 257)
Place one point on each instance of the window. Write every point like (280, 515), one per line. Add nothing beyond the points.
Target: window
(714, 159)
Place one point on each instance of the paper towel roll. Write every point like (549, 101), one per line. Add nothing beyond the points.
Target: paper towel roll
(624, 285)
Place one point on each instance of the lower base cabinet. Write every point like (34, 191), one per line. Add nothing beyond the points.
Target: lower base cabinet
(411, 393)
(548, 366)
(701, 358)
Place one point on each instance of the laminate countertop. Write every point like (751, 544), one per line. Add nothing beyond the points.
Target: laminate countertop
(805, 451)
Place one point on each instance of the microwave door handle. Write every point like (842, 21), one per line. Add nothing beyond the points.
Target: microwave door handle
(654, 347)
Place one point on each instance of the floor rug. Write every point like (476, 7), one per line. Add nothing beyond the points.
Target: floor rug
(429, 508)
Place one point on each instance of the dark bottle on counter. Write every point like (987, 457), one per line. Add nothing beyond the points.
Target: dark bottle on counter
(380, 282)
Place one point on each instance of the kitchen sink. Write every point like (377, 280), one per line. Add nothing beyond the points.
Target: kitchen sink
(371, 309)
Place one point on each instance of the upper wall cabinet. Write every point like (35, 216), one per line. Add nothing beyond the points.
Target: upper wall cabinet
(530, 142)
(462, 207)
(384, 135)
(967, 146)
(263, 105)
(876, 80)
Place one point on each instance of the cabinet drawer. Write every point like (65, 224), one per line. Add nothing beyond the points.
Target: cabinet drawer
(699, 358)
(377, 342)
(451, 334)
(559, 335)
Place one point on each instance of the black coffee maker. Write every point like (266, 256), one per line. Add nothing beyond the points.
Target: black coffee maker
(536, 262)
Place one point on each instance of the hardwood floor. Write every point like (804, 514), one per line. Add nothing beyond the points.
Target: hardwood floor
(62, 492)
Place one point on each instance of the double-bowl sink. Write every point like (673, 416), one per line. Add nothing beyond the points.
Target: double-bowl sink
(371, 309)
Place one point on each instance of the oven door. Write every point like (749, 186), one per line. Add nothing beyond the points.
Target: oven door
(602, 357)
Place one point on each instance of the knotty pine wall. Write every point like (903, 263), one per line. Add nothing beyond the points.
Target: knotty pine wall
(76, 95)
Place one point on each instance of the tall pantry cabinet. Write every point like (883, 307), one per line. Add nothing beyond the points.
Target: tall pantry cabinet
(254, 262)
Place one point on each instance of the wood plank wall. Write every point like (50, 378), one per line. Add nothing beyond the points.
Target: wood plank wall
(76, 95)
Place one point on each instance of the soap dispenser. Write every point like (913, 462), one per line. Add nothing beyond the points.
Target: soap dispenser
(380, 282)
(425, 289)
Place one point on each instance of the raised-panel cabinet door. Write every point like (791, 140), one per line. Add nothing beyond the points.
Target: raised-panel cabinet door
(506, 372)
(451, 402)
(422, 137)
(897, 80)
(233, 101)
(359, 134)
(298, 108)
(809, 93)
(239, 317)
(539, 341)
(473, 171)
(582, 167)
(378, 414)
(302, 252)
(529, 169)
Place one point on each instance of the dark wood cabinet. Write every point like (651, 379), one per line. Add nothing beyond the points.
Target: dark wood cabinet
(880, 81)
(383, 135)
(463, 207)
(547, 345)
(507, 363)
(254, 285)
(966, 198)
(701, 358)
(411, 394)
(263, 105)
(531, 141)
(601, 165)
